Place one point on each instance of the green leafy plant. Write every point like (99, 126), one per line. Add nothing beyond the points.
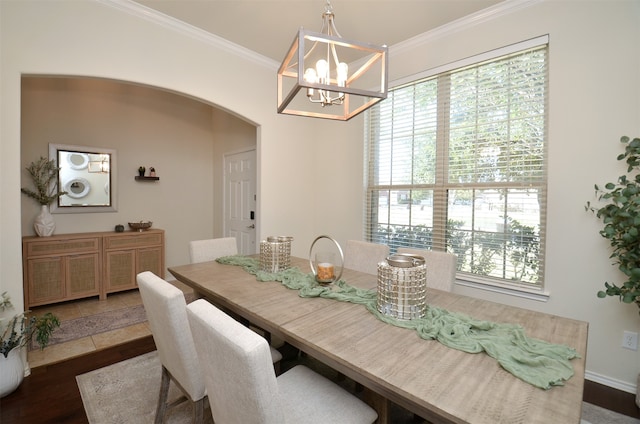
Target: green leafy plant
(44, 174)
(22, 329)
(621, 218)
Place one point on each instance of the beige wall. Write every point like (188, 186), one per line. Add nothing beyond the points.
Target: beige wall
(147, 127)
(594, 99)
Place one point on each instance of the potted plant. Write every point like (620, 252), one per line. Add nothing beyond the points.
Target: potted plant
(44, 174)
(621, 218)
(141, 171)
(20, 331)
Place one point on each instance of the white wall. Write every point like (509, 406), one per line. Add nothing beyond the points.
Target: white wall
(77, 38)
(594, 99)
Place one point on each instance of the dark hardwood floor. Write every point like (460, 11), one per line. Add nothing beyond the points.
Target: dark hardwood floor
(50, 394)
(612, 399)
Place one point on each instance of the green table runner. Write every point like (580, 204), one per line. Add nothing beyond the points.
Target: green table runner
(537, 362)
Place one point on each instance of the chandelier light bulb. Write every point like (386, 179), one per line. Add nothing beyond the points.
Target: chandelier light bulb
(343, 73)
(322, 67)
(310, 75)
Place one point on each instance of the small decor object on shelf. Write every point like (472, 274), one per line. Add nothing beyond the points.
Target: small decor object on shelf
(402, 286)
(44, 174)
(19, 332)
(119, 228)
(324, 260)
(141, 171)
(140, 226)
(152, 172)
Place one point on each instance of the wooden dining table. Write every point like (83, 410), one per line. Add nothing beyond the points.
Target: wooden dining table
(438, 383)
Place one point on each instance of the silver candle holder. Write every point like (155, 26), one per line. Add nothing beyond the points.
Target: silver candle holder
(402, 286)
(275, 253)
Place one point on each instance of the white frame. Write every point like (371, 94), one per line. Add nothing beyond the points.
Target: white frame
(83, 193)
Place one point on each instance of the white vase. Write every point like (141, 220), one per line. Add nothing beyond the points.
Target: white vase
(11, 372)
(44, 225)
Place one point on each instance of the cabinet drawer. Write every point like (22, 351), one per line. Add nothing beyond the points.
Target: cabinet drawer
(133, 240)
(62, 247)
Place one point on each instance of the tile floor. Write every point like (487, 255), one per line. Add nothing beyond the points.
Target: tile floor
(84, 307)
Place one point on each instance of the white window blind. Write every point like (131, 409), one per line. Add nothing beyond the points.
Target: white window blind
(457, 162)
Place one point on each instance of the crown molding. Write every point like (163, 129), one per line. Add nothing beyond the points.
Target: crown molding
(501, 9)
(144, 12)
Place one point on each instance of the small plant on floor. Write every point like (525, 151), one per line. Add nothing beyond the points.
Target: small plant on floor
(22, 329)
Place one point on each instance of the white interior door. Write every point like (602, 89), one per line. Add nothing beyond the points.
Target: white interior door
(240, 200)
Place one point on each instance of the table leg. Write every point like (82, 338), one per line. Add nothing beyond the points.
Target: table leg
(379, 403)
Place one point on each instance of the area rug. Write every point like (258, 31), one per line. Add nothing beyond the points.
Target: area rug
(126, 392)
(95, 324)
(90, 325)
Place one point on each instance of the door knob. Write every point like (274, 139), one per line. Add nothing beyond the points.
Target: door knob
(252, 226)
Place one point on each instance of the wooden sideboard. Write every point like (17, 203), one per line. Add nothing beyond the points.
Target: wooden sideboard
(73, 266)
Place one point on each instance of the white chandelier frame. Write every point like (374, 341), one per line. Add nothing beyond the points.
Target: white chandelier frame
(333, 97)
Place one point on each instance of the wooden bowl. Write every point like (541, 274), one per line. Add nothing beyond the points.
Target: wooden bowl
(140, 226)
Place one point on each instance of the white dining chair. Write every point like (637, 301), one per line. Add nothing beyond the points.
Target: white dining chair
(441, 267)
(243, 388)
(165, 307)
(212, 249)
(364, 256)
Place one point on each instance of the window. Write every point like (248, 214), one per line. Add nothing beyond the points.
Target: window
(457, 162)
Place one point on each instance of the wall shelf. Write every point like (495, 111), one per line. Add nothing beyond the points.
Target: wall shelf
(139, 178)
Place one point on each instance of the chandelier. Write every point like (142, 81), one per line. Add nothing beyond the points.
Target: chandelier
(326, 76)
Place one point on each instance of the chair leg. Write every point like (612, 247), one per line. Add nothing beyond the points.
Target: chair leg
(162, 397)
(198, 411)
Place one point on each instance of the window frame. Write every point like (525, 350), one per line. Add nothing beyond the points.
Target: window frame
(441, 188)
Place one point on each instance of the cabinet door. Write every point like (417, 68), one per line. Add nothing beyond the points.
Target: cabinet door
(46, 279)
(83, 274)
(150, 259)
(120, 270)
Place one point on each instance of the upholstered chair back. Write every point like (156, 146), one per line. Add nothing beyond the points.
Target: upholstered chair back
(212, 249)
(364, 256)
(165, 307)
(237, 368)
(441, 267)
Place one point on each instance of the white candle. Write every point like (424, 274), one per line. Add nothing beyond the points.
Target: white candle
(325, 272)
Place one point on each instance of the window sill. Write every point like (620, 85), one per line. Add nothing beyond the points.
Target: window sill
(530, 294)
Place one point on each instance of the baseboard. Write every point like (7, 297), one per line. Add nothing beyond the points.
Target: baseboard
(611, 382)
